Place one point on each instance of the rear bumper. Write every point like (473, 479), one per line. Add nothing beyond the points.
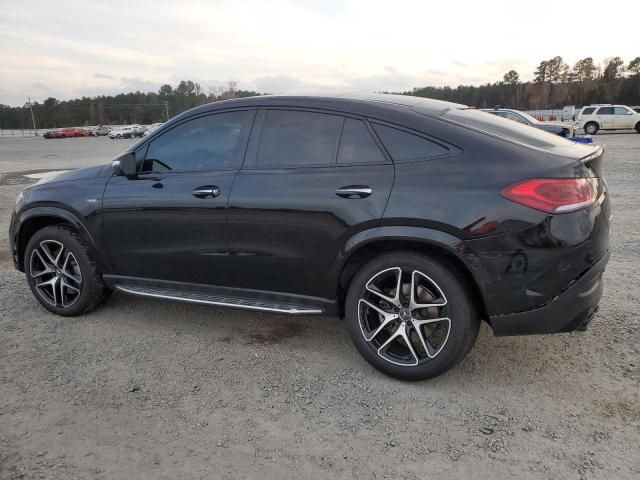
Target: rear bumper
(569, 311)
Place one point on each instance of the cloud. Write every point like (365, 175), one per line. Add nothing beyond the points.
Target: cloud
(276, 46)
(130, 84)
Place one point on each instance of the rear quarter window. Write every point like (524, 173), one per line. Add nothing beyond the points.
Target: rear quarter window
(588, 111)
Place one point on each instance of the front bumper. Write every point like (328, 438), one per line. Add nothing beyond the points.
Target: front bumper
(572, 310)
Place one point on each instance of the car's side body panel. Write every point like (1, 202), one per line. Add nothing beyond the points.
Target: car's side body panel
(283, 235)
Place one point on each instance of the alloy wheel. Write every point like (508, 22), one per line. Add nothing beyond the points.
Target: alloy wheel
(56, 273)
(403, 315)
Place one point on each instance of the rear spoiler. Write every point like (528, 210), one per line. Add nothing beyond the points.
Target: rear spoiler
(593, 161)
(597, 152)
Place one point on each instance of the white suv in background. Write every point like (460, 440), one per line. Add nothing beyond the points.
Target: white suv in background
(607, 117)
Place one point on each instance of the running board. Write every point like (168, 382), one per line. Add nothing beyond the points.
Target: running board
(218, 300)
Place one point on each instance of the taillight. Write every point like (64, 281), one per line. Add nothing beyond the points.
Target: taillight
(553, 195)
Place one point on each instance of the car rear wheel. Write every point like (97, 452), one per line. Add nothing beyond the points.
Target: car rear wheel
(410, 316)
(638, 127)
(591, 128)
(61, 273)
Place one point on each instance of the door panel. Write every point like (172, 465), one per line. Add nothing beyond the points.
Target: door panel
(286, 226)
(169, 222)
(605, 118)
(157, 228)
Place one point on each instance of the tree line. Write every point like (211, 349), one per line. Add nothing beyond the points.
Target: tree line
(554, 84)
(121, 109)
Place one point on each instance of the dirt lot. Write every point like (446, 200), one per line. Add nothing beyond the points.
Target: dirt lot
(147, 389)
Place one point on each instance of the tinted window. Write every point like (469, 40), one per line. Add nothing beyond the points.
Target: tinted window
(205, 143)
(293, 138)
(357, 145)
(403, 146)
(588, 111)
(605, 111)
(621, 111)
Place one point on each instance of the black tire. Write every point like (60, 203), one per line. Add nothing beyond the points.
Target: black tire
(593, 126)
(118, 135)
(463, 325)
(92, 289)
(638, 127)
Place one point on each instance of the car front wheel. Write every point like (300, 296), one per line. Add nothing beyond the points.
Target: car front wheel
(61, 273)
(591, 128)
(410, 316)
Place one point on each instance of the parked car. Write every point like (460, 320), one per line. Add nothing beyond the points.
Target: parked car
(100, 130)
(52, 134)
(152, 128)
(124, 132)
(139, 130)
(412, 219)
(557, 128)
(66, 133)
(607, 117)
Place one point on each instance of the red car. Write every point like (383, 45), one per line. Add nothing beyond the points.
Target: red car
(74, 132)
(66, 133)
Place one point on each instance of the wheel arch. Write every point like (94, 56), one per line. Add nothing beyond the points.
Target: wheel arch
(437, 244)
(37, 218)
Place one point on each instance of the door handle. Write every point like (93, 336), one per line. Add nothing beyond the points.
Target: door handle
(206, 191)
(354, 191)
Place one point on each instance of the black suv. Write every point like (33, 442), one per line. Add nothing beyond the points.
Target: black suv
(412, 219)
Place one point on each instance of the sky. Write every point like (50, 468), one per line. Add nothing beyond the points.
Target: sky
(68, 49)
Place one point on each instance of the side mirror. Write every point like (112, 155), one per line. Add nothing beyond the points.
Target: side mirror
(125, 165)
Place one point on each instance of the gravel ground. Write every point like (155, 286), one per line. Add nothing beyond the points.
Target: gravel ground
(148, 389)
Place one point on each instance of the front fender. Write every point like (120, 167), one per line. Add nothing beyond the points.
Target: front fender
(49, 215)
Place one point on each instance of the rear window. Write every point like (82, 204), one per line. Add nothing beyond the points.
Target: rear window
(588, 111)
(518, 132)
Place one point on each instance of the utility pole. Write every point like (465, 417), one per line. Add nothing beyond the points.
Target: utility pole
(166, 107)
(33, 119)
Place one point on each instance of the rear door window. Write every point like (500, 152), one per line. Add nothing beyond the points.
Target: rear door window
(298, 138)
(404, 146)
(357, 145)
(606, 111)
